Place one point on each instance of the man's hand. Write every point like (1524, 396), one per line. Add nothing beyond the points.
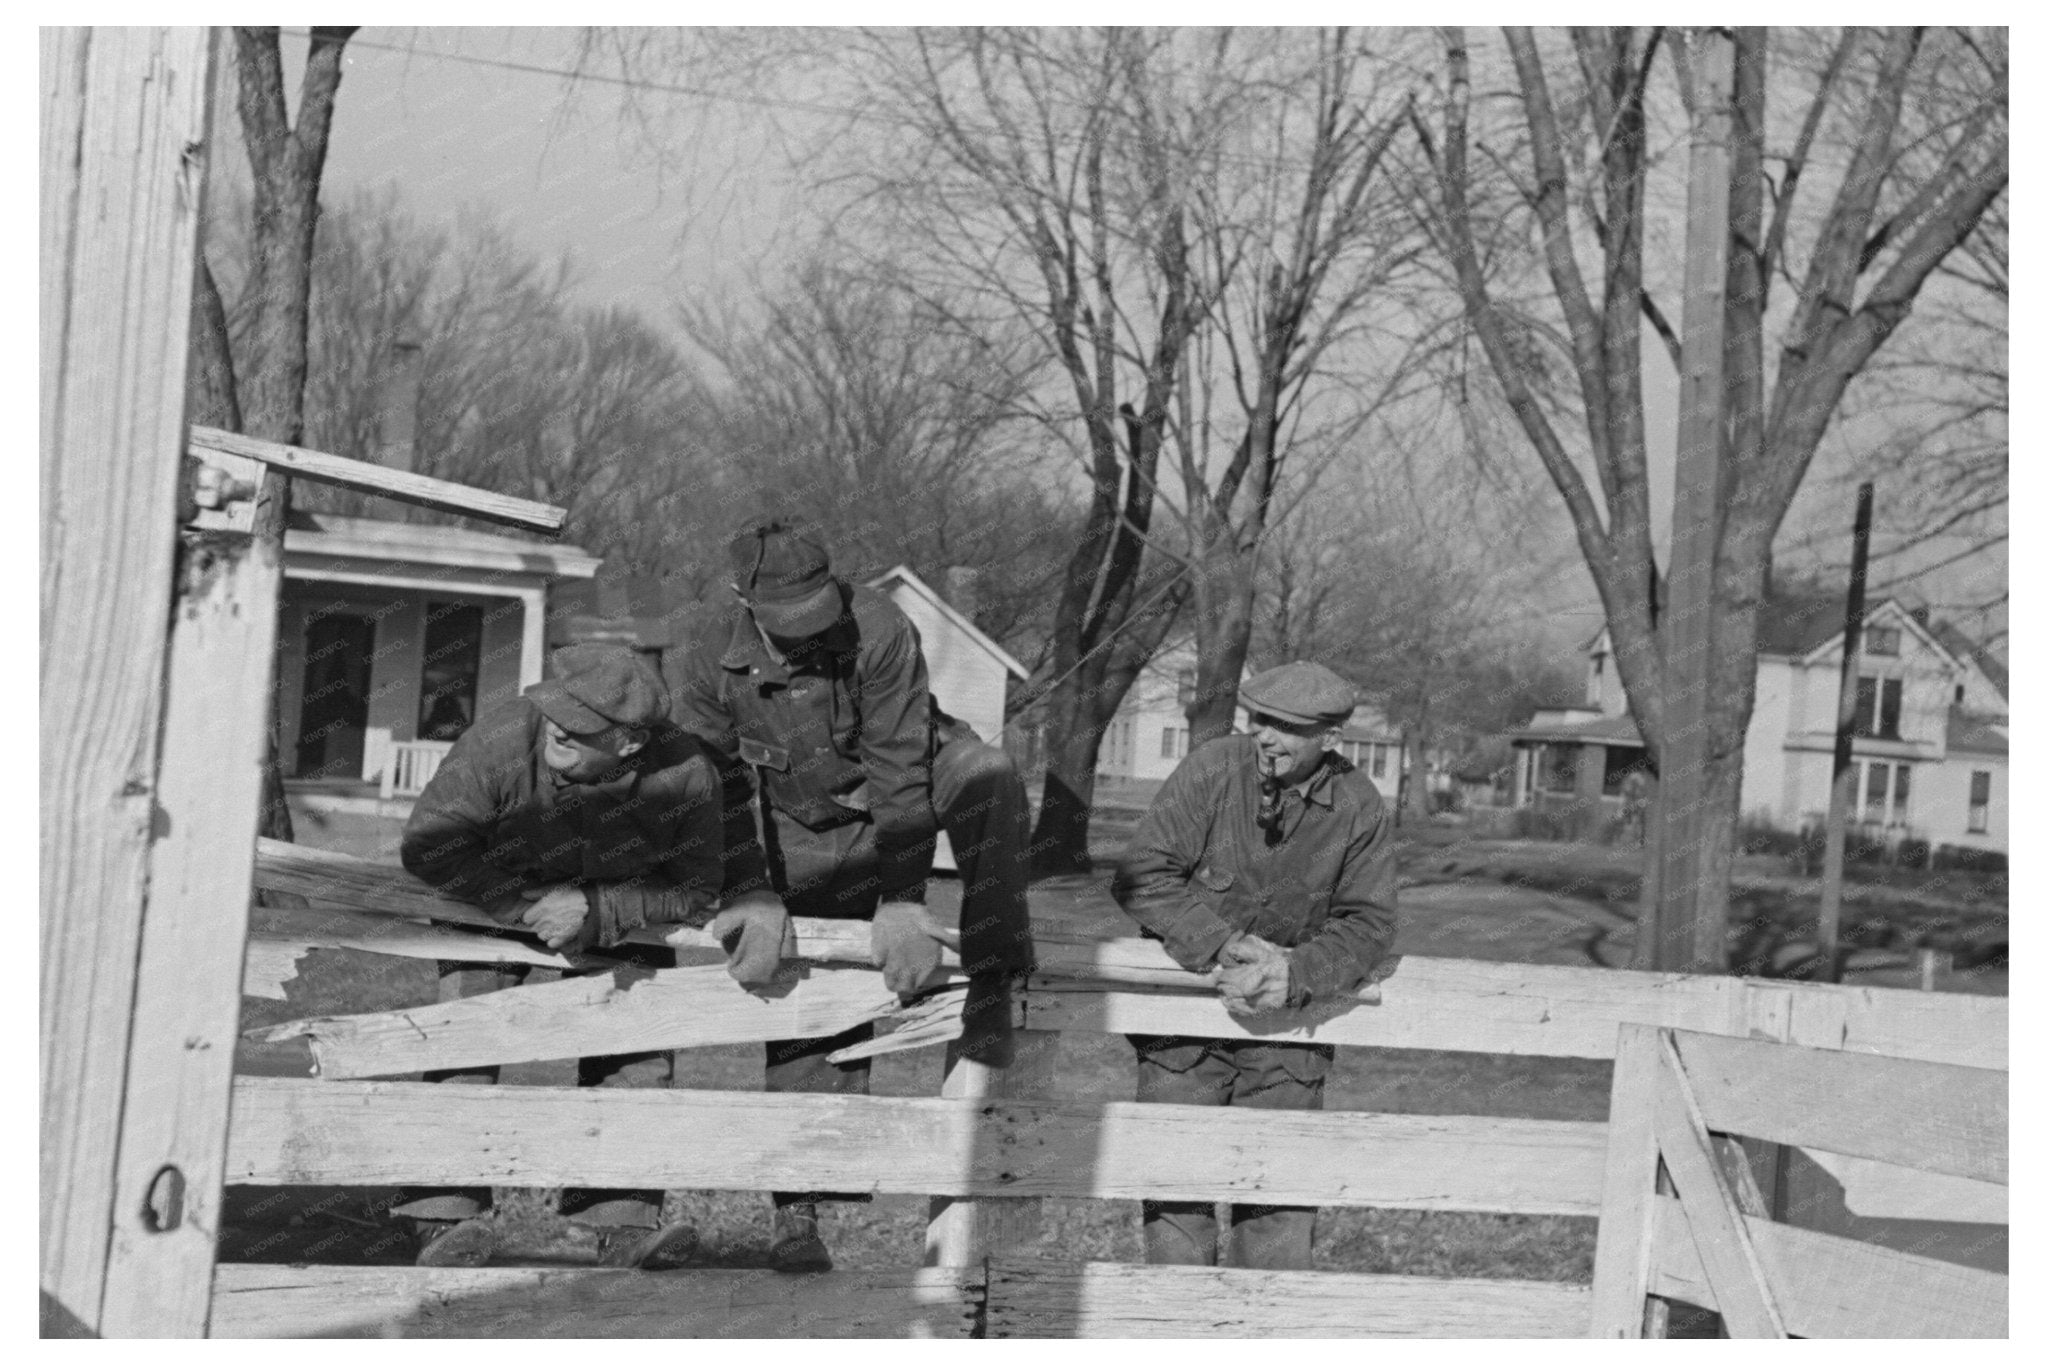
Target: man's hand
(755, 933)
(905, 945)
(1253, 978)
(562, 918)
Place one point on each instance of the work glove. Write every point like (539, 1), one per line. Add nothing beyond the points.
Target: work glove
(756, 935)
(905, 945)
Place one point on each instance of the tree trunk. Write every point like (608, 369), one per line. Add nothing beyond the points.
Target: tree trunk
(1415, 791)
(1073, 740)
(1223, 637)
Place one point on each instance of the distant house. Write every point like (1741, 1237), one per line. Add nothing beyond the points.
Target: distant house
(393, 637)
(970, 673)
(1148, 736)
(1931, 730)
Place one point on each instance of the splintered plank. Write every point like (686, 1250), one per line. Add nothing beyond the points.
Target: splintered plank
(1947, 1119)
(400, 485)
(298, 1132)
(602, 1015)
(1051, 1299)
(406, 1301)
(1833, 1287)
(281, 935)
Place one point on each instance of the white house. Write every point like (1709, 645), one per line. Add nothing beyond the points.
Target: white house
(393, 635)
(1148, 736)
(1929, 748)
(970, 673)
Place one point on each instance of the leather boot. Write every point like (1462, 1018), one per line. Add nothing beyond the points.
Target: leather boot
(797, 1249)
(668, 1248)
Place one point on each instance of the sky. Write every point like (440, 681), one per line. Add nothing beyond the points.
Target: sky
(661, 195)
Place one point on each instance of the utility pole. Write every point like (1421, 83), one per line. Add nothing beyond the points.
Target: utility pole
(1842, 794)
(1682, 941)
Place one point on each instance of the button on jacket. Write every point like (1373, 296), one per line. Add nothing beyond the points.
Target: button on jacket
(1200, 870)
(841, 738)
(645, 844)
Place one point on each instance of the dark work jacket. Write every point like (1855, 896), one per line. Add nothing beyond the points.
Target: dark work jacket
(841, 738)
(1200, 870)
(644, 844)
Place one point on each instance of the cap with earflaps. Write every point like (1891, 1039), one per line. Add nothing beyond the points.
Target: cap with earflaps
(786, 577)
(598, 686)
(1302, 692)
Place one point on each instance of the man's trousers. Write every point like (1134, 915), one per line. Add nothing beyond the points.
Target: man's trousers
(1256, 1075)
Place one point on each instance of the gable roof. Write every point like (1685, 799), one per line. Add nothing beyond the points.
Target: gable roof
(1976, 734)
(902, 574)
(1963, 647)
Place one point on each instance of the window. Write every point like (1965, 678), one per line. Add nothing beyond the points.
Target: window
(1877, 707)
(1980, 802)
(1173, 742)
(1379, 759)
(1560, 767)
(448, 669)
(1882, 791)
(1959, 694)
(1882, 640)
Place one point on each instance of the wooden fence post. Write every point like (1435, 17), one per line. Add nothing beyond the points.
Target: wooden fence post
(123, 113)
(964, 1232)
(1628, 1199)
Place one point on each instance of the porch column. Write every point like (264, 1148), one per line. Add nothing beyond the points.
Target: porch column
(534, 637)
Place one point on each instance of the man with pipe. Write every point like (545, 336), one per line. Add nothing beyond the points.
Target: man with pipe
(838, 771)
(1266, 863)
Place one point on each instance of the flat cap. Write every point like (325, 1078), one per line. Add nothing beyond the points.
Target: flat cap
(785, 574)
(1302, 692)
(598, 686)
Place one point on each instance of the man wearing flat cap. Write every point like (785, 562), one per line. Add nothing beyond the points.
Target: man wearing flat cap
(1266, 863)
(578, 811)
(839, 771)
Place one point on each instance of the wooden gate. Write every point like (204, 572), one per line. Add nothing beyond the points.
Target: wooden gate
(1682, 1217)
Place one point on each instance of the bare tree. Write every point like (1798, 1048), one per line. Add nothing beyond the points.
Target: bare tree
(1883, 231)
(265, 395)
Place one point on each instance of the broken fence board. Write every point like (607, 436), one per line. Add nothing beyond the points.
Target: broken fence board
(602, 1015)
(1948, 1119)
(405, 1301)
(1834, 1287)
(279, 936)
(1100, 1299)
(298, 1132)
(401, 485)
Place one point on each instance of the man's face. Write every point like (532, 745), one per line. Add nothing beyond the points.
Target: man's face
(1288, 750)
(591, 757)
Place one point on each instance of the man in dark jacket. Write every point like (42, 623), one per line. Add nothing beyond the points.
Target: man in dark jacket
(578, 811)
(838, 772)
(1266, 860)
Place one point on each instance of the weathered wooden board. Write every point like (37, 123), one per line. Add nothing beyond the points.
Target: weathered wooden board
(1621, 1256)
(280, 936)
(591, 1016)
(1878, 1189)
(1428, 1003)
(960, 1232)
(1053, 1299)
(1928, 1026)
(291, 1132)
(1833, 1287)
(1948, 1119)
(403, 1301)
(121, 110)
(1719, 1228)
(400, 485)
(187, 993)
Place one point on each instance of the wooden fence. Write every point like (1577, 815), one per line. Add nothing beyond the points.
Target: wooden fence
(995, 1142)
